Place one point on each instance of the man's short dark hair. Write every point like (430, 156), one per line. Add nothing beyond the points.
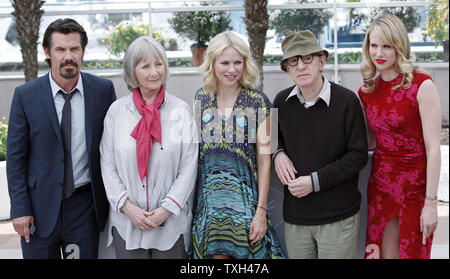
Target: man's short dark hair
(65, 26)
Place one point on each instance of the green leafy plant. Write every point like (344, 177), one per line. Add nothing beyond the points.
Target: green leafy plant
(426, 57)
(291, 20)
(200, 26)
(102, 64)
(437, 25)
(3, 134)
(356, 58)
(408, 15)
(349, 58)
(123, 34)
(437, 21)
(180, 62)
(345, 58)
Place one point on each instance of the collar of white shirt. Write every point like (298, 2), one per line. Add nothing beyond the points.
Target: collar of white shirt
(324, 94)
(55, 87)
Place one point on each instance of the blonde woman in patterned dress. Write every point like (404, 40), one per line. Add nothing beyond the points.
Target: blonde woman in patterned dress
(230, 219)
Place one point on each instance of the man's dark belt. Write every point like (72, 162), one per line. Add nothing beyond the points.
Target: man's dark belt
(82, 189)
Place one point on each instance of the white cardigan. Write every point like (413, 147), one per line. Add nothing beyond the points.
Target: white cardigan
(171, 178)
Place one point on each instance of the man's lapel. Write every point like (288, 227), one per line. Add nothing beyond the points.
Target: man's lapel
(48, 104)
(89, 106)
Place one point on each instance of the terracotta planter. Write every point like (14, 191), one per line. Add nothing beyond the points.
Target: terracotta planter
(197, 55)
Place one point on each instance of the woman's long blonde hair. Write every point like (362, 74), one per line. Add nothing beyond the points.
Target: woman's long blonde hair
(392, 30)
(216, 46)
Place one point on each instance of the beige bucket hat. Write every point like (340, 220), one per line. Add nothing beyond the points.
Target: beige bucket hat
(300, 43)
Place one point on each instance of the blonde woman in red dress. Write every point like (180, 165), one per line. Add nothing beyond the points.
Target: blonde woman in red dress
(403, 114)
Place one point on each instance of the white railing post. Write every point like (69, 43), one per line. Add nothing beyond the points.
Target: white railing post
(150, 33)
(335, 45)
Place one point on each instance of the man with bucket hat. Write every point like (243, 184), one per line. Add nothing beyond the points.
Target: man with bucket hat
(322, 147)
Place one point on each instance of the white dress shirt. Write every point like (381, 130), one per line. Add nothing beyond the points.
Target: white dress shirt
(80, 163)
(324, 94)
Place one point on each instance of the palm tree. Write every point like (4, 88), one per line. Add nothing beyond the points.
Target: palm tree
(27, 14)
(257, 22)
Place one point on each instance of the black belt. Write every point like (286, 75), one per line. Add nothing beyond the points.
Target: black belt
(81, 189)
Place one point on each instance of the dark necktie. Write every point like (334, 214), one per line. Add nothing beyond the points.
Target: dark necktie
(66, 131)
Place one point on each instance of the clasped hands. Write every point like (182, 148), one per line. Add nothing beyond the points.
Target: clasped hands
(299, 187)
(145, 220)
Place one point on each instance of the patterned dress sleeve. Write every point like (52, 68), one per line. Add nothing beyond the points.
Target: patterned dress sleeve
(197, 108)
(263, 105)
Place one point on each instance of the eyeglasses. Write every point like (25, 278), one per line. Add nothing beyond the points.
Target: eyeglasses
(306, 59)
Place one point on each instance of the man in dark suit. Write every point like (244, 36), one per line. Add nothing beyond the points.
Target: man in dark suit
(58, 201)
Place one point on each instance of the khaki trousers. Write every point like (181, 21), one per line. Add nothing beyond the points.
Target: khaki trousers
(338, 240)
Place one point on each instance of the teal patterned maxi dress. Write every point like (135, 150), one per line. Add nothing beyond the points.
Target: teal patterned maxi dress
(227, 189)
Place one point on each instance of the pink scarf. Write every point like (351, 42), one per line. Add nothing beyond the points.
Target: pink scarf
(148, 128)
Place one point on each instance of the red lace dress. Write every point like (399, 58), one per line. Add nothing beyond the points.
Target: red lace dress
(397, 183)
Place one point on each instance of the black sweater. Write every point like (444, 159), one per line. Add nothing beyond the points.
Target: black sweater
(330, 140)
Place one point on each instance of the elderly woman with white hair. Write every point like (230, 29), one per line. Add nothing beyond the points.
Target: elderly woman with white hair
(149, 154)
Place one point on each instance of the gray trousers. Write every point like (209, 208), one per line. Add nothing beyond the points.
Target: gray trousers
(176, 252)
(338, 240)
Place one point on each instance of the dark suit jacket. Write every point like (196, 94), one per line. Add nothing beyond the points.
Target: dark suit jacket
(35, 156)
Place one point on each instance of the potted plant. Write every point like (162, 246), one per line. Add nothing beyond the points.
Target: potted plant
(437, 24)
(287, 21)
(408, 15)
(200, 27)
(123, 34)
